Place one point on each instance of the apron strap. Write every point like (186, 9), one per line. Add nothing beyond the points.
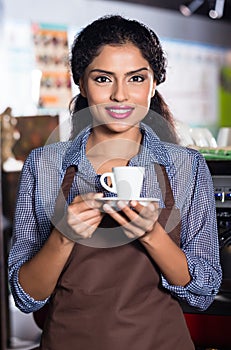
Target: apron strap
(59, 218)
(165, 186)
(169, 217)
(65, 187)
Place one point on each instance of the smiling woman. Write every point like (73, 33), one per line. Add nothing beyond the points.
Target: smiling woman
(112, 278)
(118, 85)
(135, 38)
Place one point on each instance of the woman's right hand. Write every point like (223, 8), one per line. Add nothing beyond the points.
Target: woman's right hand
(84, 214)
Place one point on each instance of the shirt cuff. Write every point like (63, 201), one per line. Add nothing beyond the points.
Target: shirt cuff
(203, 282)
(24, 301)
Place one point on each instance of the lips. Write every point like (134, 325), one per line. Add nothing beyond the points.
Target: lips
(121, 112)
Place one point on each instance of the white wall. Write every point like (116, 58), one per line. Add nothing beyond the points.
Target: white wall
(80, 12)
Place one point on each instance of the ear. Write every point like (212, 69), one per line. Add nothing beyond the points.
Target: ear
(153, 88)
(82, 88)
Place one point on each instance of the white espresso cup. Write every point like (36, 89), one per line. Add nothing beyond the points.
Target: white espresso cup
(126, 181)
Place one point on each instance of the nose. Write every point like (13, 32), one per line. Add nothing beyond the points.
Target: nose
(119, 92)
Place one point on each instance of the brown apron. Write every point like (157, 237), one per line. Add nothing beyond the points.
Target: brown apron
(112, 298)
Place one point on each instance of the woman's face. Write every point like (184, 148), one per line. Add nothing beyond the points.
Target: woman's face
(118, 85)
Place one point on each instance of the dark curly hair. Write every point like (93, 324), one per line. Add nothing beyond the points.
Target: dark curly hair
(117, 30)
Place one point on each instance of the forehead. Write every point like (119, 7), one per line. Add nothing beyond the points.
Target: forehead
(119, 56)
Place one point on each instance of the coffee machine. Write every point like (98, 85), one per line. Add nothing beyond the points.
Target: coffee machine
(211, 328)
(221, 175)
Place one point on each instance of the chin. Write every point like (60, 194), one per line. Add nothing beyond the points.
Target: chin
(120, 127)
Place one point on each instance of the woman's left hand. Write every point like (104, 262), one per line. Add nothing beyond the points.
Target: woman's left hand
(137, 220)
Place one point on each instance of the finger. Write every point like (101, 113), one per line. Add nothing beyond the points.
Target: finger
(140, 212)
(89, 225)
(83, 197)
(83, 216)
(126, 209)
(134, 222)
(87, 196)
(87, 228)
(131, 229)
(130, 235)
(114, 214)
(88, 200)
(146, 210)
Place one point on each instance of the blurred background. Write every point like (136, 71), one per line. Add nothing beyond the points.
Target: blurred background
(36, 88)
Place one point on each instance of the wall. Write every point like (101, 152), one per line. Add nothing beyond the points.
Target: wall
(80, 12)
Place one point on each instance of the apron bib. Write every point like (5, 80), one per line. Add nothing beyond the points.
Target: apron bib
(112, 298)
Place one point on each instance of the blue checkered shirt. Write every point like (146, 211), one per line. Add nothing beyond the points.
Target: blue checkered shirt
(193, 192)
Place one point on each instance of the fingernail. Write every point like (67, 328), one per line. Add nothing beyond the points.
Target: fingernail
(98, 195)
(152, 207)
(108, 208)
(121, 204)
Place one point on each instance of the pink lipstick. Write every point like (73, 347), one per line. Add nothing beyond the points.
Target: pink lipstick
(119, 112)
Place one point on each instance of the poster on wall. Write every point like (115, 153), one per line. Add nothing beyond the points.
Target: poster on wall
(52, 74)
(191, 88)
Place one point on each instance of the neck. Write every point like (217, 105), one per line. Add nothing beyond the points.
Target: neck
(102, 140)
(113, 149)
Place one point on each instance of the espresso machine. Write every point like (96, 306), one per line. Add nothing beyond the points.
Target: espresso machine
(221, 175)
(211, 328)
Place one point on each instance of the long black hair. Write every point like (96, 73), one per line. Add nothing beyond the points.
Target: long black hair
(117, 30)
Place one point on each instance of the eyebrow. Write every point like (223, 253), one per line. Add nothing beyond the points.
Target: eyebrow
(111, 73)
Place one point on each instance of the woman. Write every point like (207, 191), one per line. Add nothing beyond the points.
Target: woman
(112, 278)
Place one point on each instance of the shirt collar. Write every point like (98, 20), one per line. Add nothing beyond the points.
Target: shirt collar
(77, 150)
(152, 150)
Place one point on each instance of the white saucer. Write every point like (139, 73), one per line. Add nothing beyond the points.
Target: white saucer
(114, 200)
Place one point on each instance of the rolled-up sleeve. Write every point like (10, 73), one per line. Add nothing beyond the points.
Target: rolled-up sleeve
(199, 240)
(27, 239)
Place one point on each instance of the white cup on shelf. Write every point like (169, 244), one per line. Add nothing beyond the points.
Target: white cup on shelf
(202, 137)
(224, 137)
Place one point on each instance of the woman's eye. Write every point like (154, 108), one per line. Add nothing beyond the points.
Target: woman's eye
(137, 78)
(102, 79)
